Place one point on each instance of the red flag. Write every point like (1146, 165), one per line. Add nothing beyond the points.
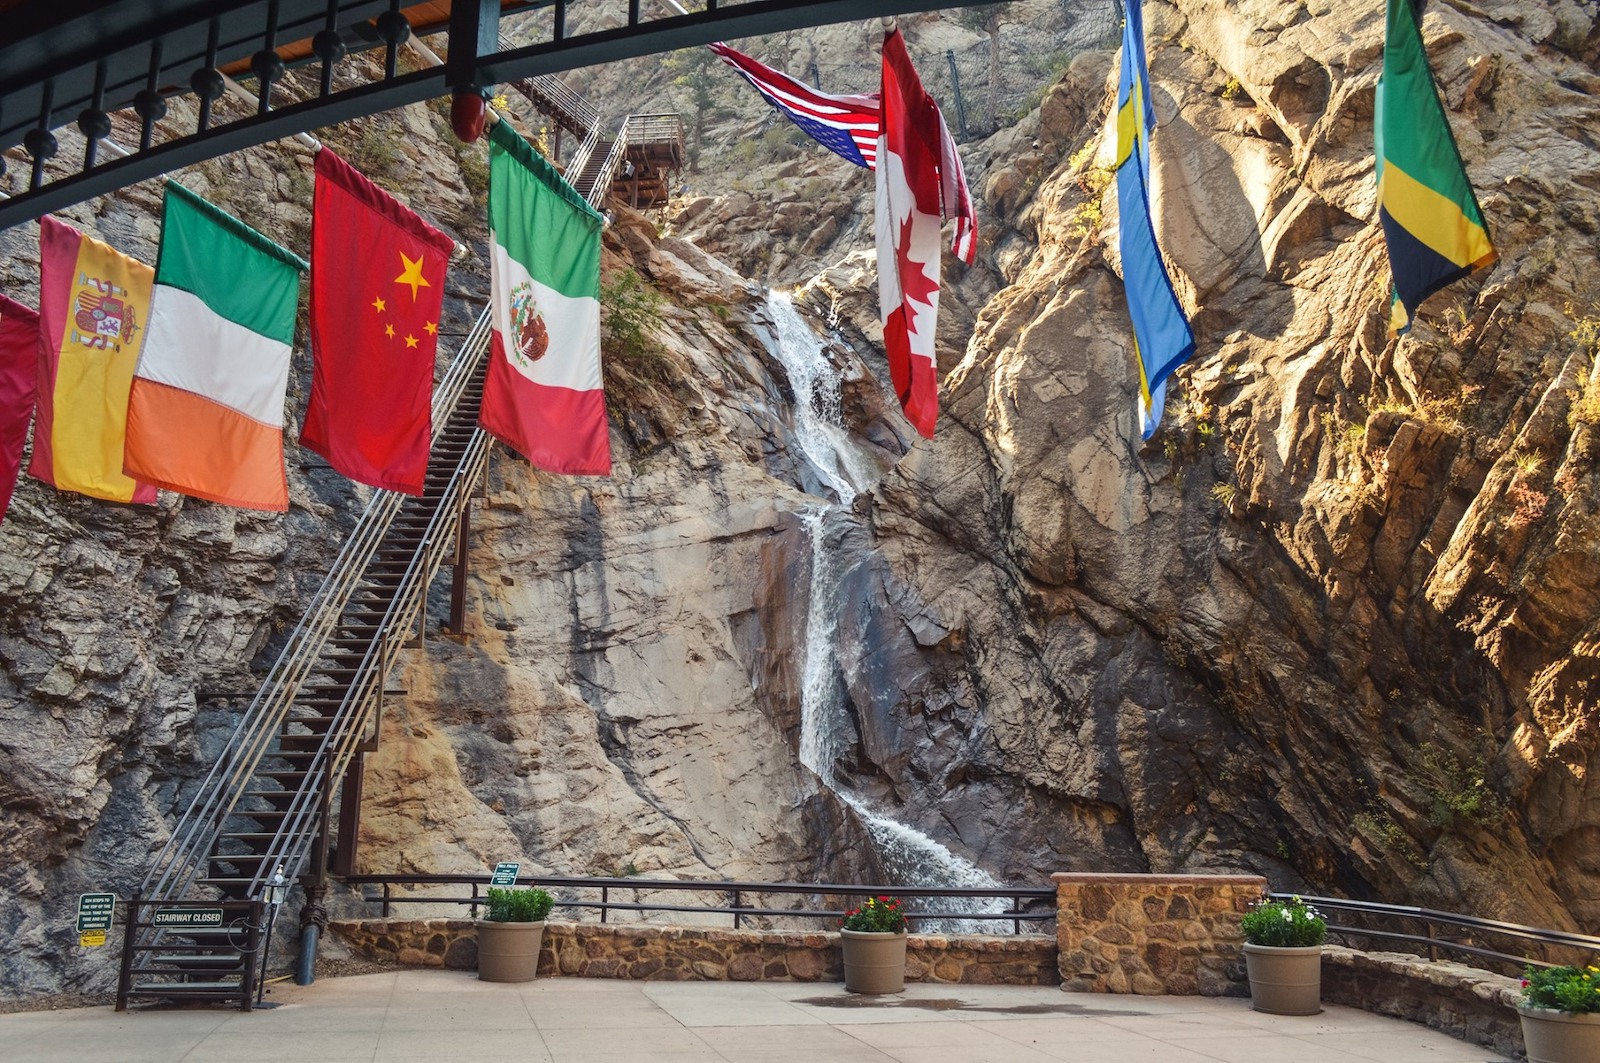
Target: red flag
(19, 374)
(908, 210)
(377, 285)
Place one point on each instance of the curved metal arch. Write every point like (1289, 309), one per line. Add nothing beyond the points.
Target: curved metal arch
(113, 54)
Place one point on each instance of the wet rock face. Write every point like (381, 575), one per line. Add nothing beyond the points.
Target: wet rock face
(1335, 624)
(1331, 624)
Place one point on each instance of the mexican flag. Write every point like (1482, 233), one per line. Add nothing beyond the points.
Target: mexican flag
(205, 414)
(543, 394)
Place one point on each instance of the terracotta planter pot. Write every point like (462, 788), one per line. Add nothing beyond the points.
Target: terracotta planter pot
(509, 952)
(1285, 981)
(1559, 1036)
(874, 963)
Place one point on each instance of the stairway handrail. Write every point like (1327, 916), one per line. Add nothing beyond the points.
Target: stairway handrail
(580, 157)
(196, 831)
(559, 92)
(596, 196)
(562, 96)
(351, 720)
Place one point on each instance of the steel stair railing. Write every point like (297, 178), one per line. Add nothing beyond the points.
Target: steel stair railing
(356, 715)
(599, 181)
(177, 868)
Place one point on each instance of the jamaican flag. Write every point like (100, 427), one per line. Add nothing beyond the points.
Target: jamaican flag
(1431, 221)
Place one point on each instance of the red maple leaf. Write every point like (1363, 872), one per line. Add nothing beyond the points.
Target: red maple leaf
(915, 284)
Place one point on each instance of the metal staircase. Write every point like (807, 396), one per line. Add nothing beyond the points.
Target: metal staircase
(567, 108)
(635, 164)
(194, 928)
(593, 165)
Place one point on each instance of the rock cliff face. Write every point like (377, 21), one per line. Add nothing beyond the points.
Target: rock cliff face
(1336, 623)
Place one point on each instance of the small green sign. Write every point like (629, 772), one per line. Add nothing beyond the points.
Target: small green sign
(505, 874)
(95, 911)
(177, 917)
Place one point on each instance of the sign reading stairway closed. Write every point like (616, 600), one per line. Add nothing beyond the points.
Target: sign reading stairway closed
(186, 917)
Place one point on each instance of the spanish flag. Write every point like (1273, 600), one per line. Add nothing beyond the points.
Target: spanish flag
(94, 315)
(1431, 222)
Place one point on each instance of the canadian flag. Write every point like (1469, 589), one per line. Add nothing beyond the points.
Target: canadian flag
(920, 181)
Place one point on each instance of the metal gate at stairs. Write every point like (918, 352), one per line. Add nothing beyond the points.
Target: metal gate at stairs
(266, 806)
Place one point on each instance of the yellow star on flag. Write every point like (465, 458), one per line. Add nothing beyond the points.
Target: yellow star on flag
(379, 305)
(412, 275)
(411, 341)
(432, 327)
(388, 330)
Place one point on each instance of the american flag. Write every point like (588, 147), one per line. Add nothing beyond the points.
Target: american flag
(845, 125)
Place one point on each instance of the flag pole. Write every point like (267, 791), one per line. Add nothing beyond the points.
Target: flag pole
(238, 90)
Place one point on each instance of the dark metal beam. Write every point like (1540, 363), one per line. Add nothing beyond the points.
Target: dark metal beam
(490, 66)
(474, 32)
(220, 140)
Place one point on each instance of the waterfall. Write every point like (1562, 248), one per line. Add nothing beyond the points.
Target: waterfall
(818, 416)
(908, 855)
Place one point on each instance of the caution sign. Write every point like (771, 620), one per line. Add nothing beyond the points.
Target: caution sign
(91, 938)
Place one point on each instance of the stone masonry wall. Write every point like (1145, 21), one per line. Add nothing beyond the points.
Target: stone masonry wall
(672, 953)
(1154, 934)
(1462, 1001)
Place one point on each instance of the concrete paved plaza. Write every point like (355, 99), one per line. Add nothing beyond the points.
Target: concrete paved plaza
(448, 1016)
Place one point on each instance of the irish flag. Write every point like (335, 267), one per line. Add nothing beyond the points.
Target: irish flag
(543, 394)
(205, 415)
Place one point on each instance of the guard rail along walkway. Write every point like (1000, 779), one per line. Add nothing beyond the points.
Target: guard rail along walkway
(262, 814)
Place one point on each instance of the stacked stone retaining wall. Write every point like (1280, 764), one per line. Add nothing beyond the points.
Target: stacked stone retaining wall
(1175, 935)
(674, 953)
(1462, 1001)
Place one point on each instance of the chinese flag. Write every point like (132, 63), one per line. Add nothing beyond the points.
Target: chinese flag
(377, 284)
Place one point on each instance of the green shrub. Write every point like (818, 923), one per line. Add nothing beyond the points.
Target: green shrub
(1284, 924)
(1570, 989)
(631, 311)
(519, 906)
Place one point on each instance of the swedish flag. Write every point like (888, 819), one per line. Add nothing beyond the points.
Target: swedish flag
(1161, 334)
(1431, 221)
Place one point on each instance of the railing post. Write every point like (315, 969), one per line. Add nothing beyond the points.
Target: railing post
(125, 967)
(738, 919)
(473, 909)
(605, 902)
(1016, 907)
(252, 956)
(1433, 951)
(386, 900)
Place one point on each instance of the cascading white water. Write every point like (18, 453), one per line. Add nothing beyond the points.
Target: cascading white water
(818, 417)
(908, 855)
